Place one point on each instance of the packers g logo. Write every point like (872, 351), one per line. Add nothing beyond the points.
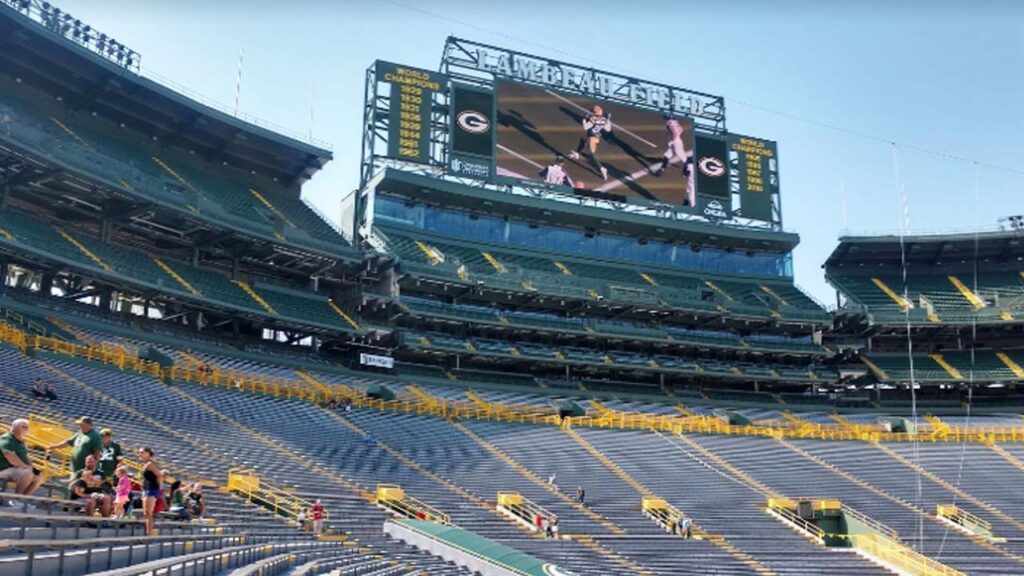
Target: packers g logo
(712, 166)
(473, 122)
(552, 570)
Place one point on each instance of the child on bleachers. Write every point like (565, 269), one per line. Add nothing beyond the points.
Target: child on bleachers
(122, 493)
(196, 502)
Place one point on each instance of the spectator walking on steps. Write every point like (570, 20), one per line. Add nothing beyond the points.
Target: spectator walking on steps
(581, 495)
(686, 528)
(552, 478)
(318, 517)
(84, 443)
(152, 478)
(553, 525)
(300, 520)
(110, 454)
(14, 463)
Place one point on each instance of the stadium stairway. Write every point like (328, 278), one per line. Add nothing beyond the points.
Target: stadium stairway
(786, 466)
(145, 412)
(340, 450)
(720, 503)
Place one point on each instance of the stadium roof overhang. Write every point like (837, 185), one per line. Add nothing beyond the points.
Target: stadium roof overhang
(458, 196)
(995, 247)
(51, 189)
(87, 82)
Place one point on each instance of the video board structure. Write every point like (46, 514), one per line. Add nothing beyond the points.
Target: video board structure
(497, 118)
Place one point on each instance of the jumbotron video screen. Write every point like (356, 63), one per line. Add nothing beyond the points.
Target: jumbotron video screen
(596, 145)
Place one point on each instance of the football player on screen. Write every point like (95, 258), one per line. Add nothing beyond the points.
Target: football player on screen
(676, 152)
(595, 125)
(555, 173)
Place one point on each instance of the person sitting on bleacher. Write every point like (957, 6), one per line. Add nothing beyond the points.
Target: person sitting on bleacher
(50, 394)
(196, 502)
(176, 502)
(84, 443)
(39, 389)
(94, 486)
(15, 465)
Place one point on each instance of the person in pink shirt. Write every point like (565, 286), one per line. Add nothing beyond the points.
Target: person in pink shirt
(122, 492)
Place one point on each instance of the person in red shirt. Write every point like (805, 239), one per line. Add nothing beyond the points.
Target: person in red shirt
(318, 517)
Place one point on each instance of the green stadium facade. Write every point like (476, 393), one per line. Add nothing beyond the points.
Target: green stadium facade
(119, 191)
(959, 296)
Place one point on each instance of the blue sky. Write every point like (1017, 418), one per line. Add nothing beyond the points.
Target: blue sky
(814, 76)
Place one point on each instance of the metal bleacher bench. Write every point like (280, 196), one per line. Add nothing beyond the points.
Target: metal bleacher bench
(86, 555)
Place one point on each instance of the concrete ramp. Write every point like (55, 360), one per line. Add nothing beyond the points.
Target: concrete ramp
(470, 550)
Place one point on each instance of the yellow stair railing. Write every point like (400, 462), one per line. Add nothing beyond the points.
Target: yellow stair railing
(82, 248)
(166, 167)
(716, 288)
(256, 297)
(665, 515)
(337, 310)
(249, 485)
(177, 277)
(271, 207)
(949, 368)
(881, 374)
(432, 254)
(970, 522)
(523, 510)
(966, 292)
(1009, 362)
(326, 389)
(767, 290)
(71, 133)
(900, 301)
(784, 507)
(302, 389)
(392, 497)
(898, 556)
(494, 262)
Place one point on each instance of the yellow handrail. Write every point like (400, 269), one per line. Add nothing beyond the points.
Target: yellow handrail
(887, 531)
(897, 555)
(962, 517)
(392, 497)
(793, 517)
(523, 508)
(248, 484)
(303, 390)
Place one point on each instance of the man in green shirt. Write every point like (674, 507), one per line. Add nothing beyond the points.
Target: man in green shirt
(110, 454)
(85, 442)
(14, 462)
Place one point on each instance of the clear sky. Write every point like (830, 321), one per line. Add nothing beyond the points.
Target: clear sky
(818, 77)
